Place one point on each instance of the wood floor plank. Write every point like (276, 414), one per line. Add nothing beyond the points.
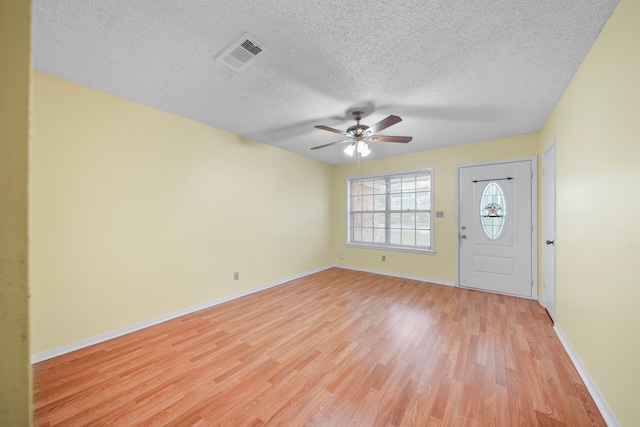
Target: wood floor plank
(338, 347)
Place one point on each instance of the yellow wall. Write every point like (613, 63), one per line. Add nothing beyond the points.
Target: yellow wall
(137, 213)
(15, 55)
(597, 130)
(441, 266)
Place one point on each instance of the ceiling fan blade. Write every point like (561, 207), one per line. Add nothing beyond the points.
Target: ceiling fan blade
(330, 129)
(331, 143)
(389, 138)
(383, 124)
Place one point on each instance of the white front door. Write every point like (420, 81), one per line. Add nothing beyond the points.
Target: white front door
(496, 227)
(549, 230)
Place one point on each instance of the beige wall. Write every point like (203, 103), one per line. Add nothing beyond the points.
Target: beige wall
(440, 266)
(597, 130)
(15, 371)
(137, 213)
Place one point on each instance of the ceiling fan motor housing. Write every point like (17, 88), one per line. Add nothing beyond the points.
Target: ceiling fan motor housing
(357, 130)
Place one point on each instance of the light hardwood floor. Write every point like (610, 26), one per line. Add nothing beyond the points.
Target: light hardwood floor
(336, 348)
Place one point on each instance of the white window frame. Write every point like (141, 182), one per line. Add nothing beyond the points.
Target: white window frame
(386, 245)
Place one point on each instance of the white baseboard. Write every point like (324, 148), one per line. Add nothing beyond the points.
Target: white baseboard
(606, 412)
(49, 354)
(403, 276)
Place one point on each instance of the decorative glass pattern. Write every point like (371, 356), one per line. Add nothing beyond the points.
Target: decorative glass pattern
(493, 210)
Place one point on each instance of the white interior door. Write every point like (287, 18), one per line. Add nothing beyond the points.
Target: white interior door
(549, 229)
(495, 221)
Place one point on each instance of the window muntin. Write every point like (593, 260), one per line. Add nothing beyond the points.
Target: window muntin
(493, 210)
(391, 211)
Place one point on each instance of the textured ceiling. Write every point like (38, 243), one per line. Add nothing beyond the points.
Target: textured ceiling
(456, 71)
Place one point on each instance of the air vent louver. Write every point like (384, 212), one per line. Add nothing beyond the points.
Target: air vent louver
(241, 53)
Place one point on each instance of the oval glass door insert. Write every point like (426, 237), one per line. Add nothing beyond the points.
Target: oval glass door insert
(493, 210)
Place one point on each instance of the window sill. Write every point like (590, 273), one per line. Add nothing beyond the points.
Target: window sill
(391, 248)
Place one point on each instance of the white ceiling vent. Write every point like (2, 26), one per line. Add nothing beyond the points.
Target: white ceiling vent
(241, 53)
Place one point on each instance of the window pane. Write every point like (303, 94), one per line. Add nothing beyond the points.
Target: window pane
(408, 184)
(356, 204)
(423, 238)
(409, 221)
(357, 234)
(396, 220)
(367, 187)
(423, 201)
(396, 202)
(356, 189)
(422, 220)
(408, 237)
(423, 183)
(367, 235)
(367, 203)
(394, 237)
(379, 203)
(396, 185)
(380, 187)
(409, 201)
(357, 220)
(367, 220)
(378, 236)
(379, 220)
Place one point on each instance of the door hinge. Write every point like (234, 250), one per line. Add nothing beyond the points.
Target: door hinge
(531, 228)
(531, 174)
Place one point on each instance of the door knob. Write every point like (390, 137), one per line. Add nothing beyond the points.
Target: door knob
(463, 236)
(551, 242)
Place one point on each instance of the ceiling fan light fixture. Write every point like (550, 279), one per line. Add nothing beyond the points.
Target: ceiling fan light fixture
(350, 149)
(363, 148)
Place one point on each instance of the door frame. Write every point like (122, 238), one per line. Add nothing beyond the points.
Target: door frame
(534, 216)
(543, 197)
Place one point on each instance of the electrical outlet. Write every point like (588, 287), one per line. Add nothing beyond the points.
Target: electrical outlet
(439, 214)
(384, 257)
(236, 276)
(341, 256)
